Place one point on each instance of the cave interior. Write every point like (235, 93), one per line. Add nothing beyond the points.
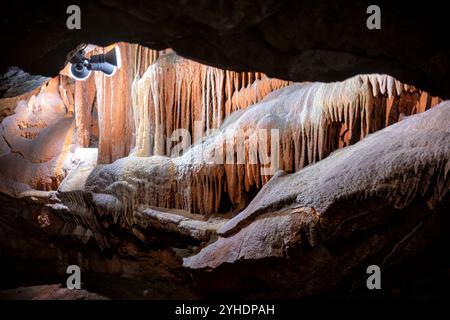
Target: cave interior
(245, 149)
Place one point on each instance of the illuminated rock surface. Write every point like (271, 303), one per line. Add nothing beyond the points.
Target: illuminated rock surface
(312, 119)
(301, 177)
(297, 219)
(175, 93)
(38, 142)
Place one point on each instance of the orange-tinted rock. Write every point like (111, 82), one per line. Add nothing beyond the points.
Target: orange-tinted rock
(230, 165)
(115, 113)
(176, 93)
(85, 92)
(38, 142)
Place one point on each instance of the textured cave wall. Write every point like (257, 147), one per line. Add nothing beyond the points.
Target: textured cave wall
(141, 105)
(227, 167)
(292, 241)
(310, 40)
(110, 114)
(109, 99)
(38, 141)
(121, 219)
(114, 113)
(137, 110)
(380, 201)
(176, 93)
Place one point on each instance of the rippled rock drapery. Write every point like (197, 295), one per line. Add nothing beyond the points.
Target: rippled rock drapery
(176, 93)
(304, 225)
(145, 102)
(310, 121)
(99, 112)
(105, 116)
(124, 205)
(111, 98)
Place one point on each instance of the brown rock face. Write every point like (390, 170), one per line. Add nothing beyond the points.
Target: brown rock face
(40, 237)
(141, 107)
(84, 96)
(114, 113)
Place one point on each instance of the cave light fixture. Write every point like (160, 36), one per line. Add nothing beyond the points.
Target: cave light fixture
(82, 67)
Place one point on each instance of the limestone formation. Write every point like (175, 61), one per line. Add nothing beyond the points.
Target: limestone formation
(156, 93)
(99, 112)
(297, 219)
(37, 142)
(176, 179)
(176, 93)
(303, 123)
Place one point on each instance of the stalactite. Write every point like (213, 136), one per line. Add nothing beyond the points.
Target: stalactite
(141, 58)
(144, 103)
(104, 119)
(175, 93)
(85, 92)
(117, 118)
(66, 92)
(38, 140)
(292, 127)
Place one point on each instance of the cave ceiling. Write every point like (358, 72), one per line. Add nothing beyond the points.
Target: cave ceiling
(309, 40)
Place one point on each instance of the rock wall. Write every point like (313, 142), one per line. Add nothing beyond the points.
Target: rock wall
(144, 207)
(38, 142)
